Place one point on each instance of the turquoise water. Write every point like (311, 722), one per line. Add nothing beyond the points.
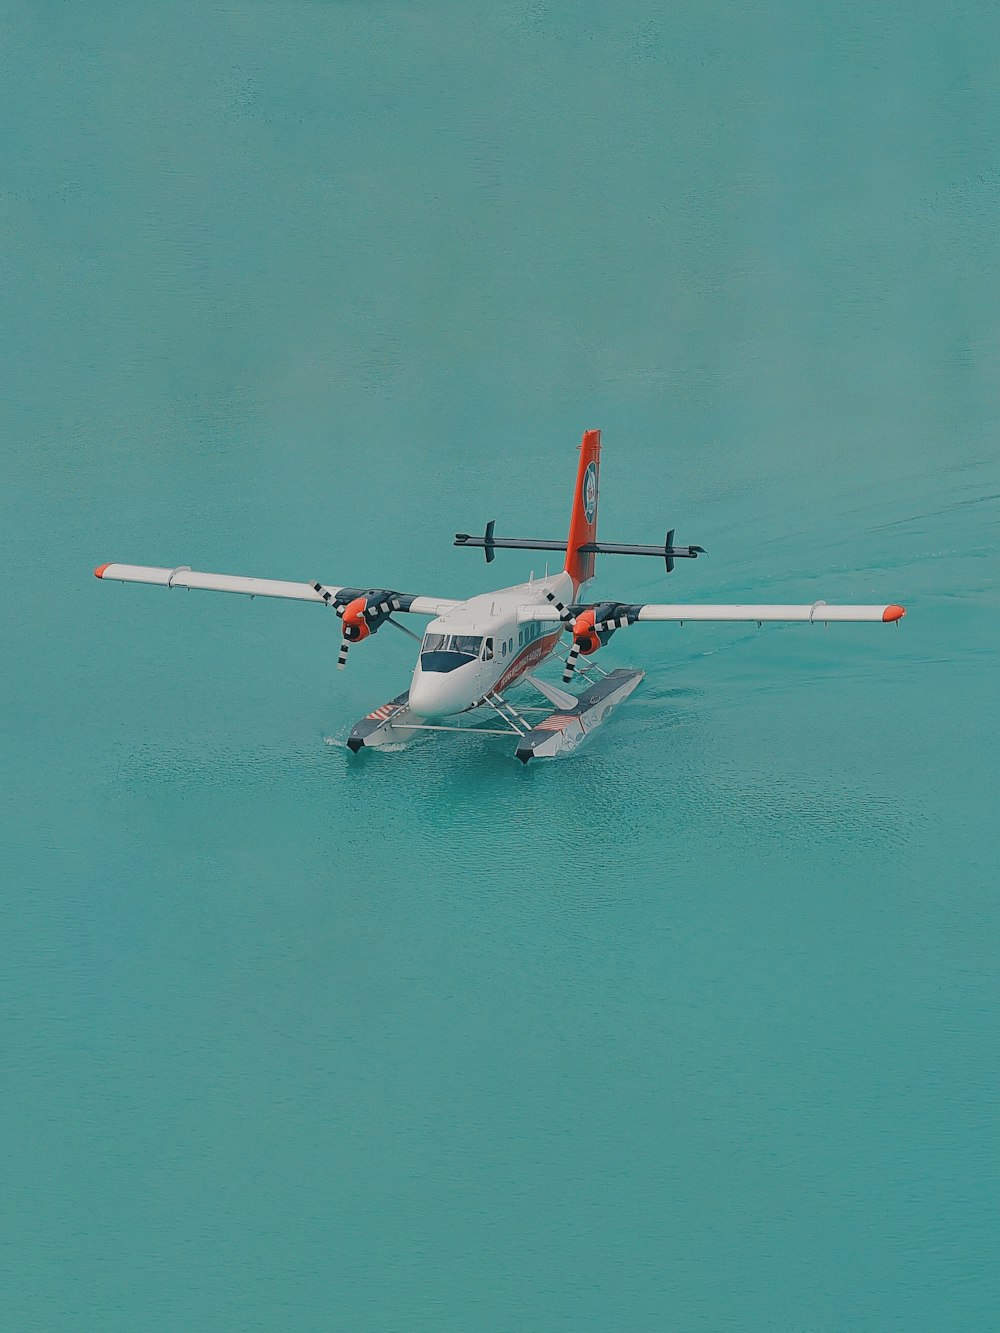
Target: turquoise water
(693, 1031)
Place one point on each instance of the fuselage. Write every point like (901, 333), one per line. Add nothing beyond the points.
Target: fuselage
(481, 647)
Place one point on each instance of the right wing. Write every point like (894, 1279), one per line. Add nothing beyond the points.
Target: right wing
(185, 577)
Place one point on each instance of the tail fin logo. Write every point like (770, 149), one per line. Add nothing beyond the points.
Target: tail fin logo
(590, 492)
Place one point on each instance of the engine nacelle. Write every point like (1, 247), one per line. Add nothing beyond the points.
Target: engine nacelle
(366, 613)
(355, 621)
(592, 629)
(361, 613)
(586, 639)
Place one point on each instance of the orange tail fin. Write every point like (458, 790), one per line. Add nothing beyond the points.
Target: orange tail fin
(583, 523)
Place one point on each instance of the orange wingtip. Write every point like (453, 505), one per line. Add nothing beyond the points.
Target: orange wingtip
(894, 613)
(99, 571)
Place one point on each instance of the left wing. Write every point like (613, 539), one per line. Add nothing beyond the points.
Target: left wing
(593, 624)
(186, 577)
(629, 614)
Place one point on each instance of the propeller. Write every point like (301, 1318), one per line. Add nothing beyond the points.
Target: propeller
(355, 627)
(582, 631)
(585, 640)
(363, 614)
(591, 632)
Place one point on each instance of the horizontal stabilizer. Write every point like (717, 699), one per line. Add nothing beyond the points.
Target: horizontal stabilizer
(490, 544)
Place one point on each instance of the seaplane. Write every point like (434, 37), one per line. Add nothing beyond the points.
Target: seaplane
(474, 652)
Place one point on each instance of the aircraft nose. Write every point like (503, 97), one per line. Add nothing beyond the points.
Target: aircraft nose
(440, 694)
(432, 697)
(423, 699)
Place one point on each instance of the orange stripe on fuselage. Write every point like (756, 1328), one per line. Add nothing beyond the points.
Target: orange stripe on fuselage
(527, 658)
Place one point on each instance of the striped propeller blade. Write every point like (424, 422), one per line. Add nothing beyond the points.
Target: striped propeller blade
(329, 599)
(564, 615)
(571, 662)
(326, 594)
(342, 655)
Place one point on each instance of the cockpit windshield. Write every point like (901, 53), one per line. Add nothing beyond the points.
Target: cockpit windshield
(445, 652)
(470, 645)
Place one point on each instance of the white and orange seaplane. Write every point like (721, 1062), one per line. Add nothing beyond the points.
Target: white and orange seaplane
(475, 651)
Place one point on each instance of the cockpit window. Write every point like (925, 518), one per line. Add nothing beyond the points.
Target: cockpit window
(445, 652)
(468, 644)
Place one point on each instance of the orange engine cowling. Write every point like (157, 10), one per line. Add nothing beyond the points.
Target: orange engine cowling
(585, 637)
(593, 628)
(364, 614)
(355, 624)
